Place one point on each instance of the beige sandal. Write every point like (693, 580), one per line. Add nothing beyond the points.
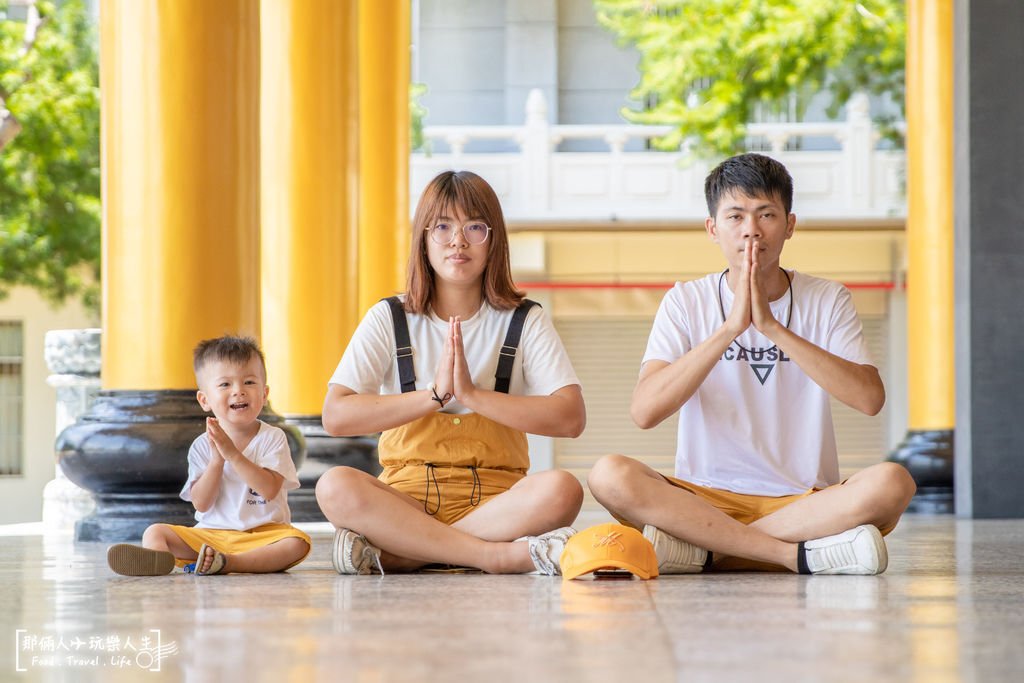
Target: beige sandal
(133, 560)
(218, 564)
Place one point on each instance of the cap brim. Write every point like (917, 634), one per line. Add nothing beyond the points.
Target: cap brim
(594, 565)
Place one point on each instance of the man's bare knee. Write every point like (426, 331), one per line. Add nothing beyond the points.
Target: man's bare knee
(611, 480)
(885, 494)
(606, 471)
(897, 484)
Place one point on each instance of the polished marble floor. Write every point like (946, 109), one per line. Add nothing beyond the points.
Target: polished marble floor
(950, 608)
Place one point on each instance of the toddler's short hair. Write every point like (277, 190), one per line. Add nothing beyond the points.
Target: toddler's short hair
(236, 350)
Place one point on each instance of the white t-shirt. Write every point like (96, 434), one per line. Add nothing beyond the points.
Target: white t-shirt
(237, 506)
(758, 424)
(541, 367)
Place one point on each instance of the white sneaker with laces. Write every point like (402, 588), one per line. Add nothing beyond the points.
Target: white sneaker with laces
(675, 556)
(546, 550)
(860, 550)
(353, 554)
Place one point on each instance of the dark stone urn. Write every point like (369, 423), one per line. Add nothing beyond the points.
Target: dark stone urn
(928, 456)
(130, 450)
(322, 453)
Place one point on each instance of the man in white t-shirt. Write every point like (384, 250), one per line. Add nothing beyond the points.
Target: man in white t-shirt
(749, 358)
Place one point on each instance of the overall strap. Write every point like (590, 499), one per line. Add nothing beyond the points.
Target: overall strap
(403, 346)
(507, 355)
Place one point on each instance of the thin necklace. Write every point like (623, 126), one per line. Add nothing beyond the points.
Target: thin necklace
(789, 317)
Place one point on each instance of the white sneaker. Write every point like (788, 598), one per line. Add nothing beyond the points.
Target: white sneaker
(860, 550)
(353, 554)
(675, 556)
(546, 550)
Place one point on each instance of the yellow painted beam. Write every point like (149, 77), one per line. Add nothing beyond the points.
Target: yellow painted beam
(180, 144)
(383, 148)
(930, 214)
(308, 183)
(848, 256)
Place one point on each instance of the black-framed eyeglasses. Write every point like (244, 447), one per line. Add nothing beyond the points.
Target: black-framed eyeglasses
(443, 232)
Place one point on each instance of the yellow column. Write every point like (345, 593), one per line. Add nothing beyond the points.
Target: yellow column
(180, 148)
(308, 190)
(383, 148)
(930, 214)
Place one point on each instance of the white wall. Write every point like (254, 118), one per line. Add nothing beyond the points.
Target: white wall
(595, 73)
(21, 497)
(480, 59)
(460, 46)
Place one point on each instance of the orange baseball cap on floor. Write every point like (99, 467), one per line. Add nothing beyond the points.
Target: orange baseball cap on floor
(609, 546)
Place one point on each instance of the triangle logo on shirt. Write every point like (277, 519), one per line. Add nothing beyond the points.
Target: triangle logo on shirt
(761, 371)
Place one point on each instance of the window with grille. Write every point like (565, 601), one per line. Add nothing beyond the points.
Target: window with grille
(10, 398)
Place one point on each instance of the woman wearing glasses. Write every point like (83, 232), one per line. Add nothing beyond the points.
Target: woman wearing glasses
(453, 373)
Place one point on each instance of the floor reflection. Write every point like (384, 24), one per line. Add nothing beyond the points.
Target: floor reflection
(947, 610)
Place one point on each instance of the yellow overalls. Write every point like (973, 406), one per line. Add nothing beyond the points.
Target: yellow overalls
(453, 463)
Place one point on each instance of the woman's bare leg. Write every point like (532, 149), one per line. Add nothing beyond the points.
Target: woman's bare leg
(409, 537)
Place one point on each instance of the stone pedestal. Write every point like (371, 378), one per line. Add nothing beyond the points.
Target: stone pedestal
(322, 453)
(73, 357)
(130, 450)
(928, 456)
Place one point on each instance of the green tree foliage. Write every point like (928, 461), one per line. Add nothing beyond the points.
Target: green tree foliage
(50, 171)
(707, 65)
(417, 113)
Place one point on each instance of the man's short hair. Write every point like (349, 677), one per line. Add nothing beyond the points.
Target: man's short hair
(754, 175)
(237, 350)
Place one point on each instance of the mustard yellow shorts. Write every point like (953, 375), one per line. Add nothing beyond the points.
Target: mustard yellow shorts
(747, 509)
(233, 542)
(450, 493)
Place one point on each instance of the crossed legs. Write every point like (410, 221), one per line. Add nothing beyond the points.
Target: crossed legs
(274, 557)
(409, 538)
(631, 490)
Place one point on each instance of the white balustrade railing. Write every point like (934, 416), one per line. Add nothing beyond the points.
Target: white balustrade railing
(537, 182)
